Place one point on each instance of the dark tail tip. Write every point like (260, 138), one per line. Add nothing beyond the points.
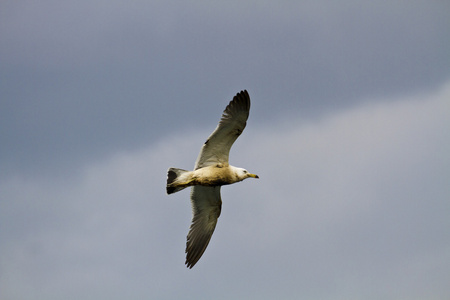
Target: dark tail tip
(170, 190)
(171, 176)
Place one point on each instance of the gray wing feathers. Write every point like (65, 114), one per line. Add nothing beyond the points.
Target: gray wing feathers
(206, 206)
(234, 118)
(206, 201)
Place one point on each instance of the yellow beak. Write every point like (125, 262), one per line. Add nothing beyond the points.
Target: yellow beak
(253, 175)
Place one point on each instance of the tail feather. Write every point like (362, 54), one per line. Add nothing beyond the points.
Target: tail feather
(172, 175)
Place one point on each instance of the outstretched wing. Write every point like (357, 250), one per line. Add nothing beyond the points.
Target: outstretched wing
(206, 206)
(234, 118)
(206, 201)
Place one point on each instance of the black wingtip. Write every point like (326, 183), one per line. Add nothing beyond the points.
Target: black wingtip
(243, 94)
(243, 98)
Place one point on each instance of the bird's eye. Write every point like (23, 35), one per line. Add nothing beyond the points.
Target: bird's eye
(245, 172)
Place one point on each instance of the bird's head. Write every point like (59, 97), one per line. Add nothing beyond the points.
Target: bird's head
(243, 174)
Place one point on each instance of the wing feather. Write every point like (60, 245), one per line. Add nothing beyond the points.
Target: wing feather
(206, 207)
(206, 201)
(234, 118)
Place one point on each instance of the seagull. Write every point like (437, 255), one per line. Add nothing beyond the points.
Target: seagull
(211, 171)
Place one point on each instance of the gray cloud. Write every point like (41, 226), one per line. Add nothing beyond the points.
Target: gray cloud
(81, 81)
(353, 204)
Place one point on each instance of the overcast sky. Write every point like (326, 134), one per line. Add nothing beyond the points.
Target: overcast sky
(348, 131)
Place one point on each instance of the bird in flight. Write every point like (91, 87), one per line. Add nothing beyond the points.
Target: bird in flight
(211, 171)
